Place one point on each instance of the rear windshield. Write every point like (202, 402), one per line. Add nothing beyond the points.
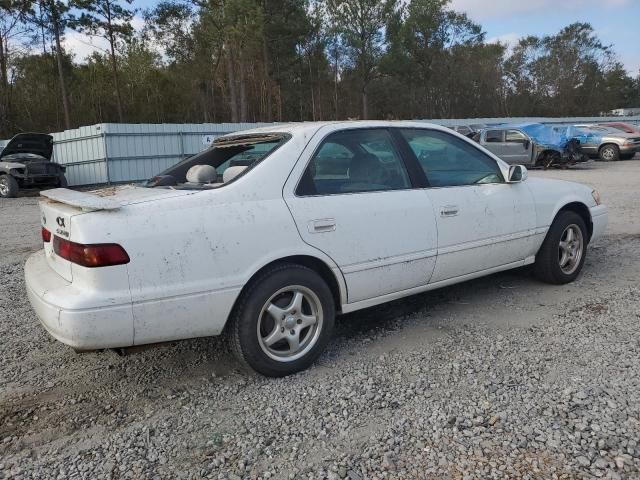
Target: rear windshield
(242, 152)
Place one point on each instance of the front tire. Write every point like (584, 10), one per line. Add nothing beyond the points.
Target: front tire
(282, 321)
(8, 186)
(562, 254)
(609, 153)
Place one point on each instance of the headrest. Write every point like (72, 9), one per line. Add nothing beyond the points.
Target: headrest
(202, 174)
(232, 172)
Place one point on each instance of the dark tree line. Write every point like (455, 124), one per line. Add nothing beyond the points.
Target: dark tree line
(289, 60)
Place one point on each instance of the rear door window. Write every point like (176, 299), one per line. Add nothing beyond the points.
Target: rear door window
(353, 161)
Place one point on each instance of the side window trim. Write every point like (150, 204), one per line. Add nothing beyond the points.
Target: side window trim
(414, 159)
(394, 142)
(416, 173)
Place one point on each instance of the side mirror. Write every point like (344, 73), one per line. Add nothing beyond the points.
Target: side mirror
(527, 144)
(517, 174)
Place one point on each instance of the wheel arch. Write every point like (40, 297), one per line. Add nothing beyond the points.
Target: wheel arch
(542, 154)
(613, 144)
(582, 210)
(337, 287)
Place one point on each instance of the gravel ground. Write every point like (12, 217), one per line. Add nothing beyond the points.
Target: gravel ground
(501, 377)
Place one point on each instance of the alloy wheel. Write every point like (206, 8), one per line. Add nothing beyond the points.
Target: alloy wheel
(570, 249)
(608, 154)
(290, 323)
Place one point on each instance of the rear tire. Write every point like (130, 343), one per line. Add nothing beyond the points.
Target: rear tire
(283, 320)
(609, 153)
(62, 182)
(562, 254)
(9, 187)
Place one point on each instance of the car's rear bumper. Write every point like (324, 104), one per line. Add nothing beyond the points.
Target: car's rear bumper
(55, 300)
(599, 219)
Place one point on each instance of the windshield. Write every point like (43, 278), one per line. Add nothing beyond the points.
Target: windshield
(241, 151)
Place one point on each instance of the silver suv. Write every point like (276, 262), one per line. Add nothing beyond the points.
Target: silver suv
(608, 144)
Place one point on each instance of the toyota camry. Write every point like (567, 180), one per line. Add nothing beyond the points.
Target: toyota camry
(269, 233)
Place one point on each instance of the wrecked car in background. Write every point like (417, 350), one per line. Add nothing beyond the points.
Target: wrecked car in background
(531, 144)
(25, 162)
(270, 233)
(606, 143)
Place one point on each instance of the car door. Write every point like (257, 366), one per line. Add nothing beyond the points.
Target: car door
(493, 140)
(483, 222)
(517, 148)
(589, 139)
(352, 197)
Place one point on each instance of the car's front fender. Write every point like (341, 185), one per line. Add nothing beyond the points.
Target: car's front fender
(552, 195)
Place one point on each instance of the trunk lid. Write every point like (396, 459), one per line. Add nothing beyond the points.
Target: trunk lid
(110, 198)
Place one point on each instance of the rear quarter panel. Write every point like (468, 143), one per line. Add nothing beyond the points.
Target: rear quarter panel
(192, 255)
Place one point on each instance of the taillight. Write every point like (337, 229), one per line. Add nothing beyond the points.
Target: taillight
(46, 235)
(94, 255)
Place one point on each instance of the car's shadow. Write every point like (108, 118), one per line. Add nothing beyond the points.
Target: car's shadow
(198, 356)
(389, 316)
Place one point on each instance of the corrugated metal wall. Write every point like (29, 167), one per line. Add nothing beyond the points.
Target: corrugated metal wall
(116, 153)
(82, 151)
(137, 152)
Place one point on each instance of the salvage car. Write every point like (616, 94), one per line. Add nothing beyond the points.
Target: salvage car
(531, 144)
(607, 144)
(623, 126)
(325, 218)
(25, 162)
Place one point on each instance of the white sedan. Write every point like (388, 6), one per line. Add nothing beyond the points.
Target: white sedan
(271, 232)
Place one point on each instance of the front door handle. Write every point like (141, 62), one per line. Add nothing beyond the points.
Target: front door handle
(322, 225)
(449, 211)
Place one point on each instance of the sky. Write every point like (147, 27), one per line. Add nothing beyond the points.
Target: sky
(616, 22)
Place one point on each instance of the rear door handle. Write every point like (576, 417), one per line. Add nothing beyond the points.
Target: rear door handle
(322, 225)
(449, 211)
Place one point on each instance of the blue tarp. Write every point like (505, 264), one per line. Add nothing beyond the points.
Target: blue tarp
(544, 134)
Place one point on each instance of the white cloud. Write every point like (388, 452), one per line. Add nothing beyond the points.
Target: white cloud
(632, 64)
(82, 45)
(137, 22)
(482, 9)
(507, 39)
